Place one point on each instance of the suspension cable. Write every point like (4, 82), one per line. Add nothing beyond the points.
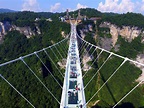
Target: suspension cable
(128, 93)
(17, 91)
(81, 42)
(107, 80)
(81, 45)
(17, 59)
(59, 47)
(93, 52)
(85, 50)
(53, 62)
(39, 79)
(98, 70)
(54, 54)
(58, 52)
(117, 55)
(21, 58)
(93, 62)
(81, 52)
(28, 55)
(90, 56)
(64, 50)
(88, 53)
(47, 69)
(81, 49)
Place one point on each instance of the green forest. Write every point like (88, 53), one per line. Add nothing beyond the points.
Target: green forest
(125, 78)
(16, 45)
(18, 74)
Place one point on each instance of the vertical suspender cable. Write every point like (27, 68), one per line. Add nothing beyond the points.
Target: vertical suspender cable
(17, 91)
(39, 79)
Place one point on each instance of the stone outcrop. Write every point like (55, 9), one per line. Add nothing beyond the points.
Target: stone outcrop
(142, 37)
(105, 43)
(2, 28)
(90, 28)
(86, 58)
(140, 58)
(6, 27)
(82, 34)
(114, 33)
(126, 32)
(62, 63)
(27, 31)
(38, 29)
(24, 30)
(63, 34)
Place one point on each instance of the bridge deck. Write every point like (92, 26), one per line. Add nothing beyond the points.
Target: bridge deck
(73, 94)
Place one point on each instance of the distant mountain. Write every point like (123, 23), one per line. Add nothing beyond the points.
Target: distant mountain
(89, 12)
(110, 14)
(6, 10)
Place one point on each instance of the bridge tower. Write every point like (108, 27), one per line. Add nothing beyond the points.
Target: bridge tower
(67, 14)
(79, 14)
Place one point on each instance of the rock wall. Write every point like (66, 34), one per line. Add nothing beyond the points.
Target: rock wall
(6, 27)
(3, 30)
(62, 63)
(63, 34)
(24, 30)
(126, 32)
(86, 58)
(140, 59)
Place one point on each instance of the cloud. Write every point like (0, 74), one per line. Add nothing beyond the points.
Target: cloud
(79, 6)
(118, 6)
(55, 7)
(30, 5)
(142, 6)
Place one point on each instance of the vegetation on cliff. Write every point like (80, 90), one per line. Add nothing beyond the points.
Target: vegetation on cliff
(125, 78)
(16, 45)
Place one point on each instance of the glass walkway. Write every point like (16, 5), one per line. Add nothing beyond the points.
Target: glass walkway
(73, 93)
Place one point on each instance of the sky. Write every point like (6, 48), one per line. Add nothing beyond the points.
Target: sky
(116, 6)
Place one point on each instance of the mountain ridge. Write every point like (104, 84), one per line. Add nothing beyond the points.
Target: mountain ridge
(4, 10)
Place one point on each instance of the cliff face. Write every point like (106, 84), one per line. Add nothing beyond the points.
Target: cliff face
(86, 58)
(6, 27)
(3, 29)
(126, 32)
(140, 58)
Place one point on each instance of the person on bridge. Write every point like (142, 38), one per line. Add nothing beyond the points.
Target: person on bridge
(77, 88)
